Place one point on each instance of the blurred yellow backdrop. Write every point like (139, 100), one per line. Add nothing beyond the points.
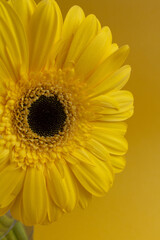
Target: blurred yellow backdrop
(131, 210)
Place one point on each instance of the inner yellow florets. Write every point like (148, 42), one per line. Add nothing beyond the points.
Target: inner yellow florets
(63, 94)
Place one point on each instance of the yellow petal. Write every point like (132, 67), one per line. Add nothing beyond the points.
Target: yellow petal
(5, 209)
(95, 179)
(50, 64)
(114, 82)
(4, 157)
(104, 101)
(118, 163)
(111, 64)
(34, 198)
(124, 111)
(16, 209)
(10, 184)
(97, 149)
(45, 28)
(119, 127)
(53, 212)
(84, 35)
(84, 196)
(82, 156)
(59, 23)
(74, 18)
(72, 21)
(56, 186)
(4, 78)
(113, 47)
(112, 139)
(24, 10)
(62, 189)
(94, 53)
(13, 43)
(4, 153)
(56, 43)
(2, 88)
(117, 117)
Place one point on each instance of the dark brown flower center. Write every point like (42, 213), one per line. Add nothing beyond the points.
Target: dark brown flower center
(47, 116)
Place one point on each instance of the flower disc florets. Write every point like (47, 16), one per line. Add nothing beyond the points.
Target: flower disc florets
(29, 117)
(44, 115)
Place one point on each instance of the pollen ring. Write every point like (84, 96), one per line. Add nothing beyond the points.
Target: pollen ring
(43, 117)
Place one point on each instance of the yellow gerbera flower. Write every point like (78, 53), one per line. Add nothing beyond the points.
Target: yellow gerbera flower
(61, 109)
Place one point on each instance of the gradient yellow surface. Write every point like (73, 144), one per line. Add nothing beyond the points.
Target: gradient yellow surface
(131, 210)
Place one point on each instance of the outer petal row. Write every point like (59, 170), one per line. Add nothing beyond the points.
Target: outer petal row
(40, 25)
(123, 111)
(45, 29)
(93, 54)
(62, 189)
(10, 184)
(33, 205)
(13, 42)
(84, 35)
(94, 175)
(73, 19)
(96, 179)
(109, 66)
(24, 10)
(115, 81)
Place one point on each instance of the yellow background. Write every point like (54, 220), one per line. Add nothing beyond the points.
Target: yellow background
(131, 210)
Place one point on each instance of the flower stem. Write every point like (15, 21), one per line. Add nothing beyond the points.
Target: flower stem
(6, 221)
(19, 231)
(3, 228)
(11, 236)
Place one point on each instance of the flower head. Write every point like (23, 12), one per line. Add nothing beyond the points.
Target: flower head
(61, 109)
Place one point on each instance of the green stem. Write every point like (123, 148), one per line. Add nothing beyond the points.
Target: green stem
(19, 231)
(3, 228)
(6, 221)
(11, 236)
